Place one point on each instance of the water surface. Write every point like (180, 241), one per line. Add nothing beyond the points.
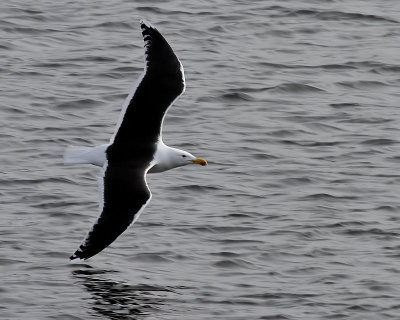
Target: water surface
(294, 105)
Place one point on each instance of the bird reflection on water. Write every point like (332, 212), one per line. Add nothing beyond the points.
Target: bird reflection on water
(118, 300)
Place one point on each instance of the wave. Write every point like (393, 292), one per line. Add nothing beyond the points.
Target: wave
(327, 196)
(361, 84)
(295, 88)
(380, 142)
(338, 15)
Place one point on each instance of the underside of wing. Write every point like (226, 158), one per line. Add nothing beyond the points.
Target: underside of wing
(160, 85)
(125, 194)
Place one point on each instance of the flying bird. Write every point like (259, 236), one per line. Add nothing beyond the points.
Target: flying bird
(136, 148)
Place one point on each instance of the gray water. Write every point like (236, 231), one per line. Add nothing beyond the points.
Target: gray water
(294, 104)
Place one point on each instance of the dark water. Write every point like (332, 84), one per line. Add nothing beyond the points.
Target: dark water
(294, 104)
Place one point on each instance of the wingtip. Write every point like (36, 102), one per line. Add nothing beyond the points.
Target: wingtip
(145, 23)
(75, 259)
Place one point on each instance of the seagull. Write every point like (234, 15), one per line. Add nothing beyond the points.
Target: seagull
(136, 148)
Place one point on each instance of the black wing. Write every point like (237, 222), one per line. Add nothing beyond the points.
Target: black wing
(162, 82)
(125, 194)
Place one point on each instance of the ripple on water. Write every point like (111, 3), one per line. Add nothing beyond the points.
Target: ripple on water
(295, 106)
(295, 88)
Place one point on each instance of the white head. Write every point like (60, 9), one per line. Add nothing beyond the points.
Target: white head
(168, 158)
(182, 158)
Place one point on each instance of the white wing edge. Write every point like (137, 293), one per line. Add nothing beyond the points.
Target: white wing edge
(134, 88)
(126, 104)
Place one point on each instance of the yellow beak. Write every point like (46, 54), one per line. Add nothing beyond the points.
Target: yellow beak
(200, 161)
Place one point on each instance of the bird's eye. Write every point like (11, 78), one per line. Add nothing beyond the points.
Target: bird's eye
(183, 156)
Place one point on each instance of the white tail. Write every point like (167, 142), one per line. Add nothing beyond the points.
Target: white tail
(85, 155)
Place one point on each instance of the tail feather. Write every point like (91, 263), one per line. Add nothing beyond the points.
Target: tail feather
(75, 154)
(85, 155)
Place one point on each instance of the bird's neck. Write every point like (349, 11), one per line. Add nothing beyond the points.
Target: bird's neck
(163, 158)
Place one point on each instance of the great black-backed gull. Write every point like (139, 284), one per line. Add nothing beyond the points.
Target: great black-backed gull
(136, 146)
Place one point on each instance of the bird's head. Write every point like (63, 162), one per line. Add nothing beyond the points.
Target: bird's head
(187, 158)
(182, 158)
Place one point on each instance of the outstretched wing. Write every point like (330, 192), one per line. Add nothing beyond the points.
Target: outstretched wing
(125, 194)
(161, 83)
